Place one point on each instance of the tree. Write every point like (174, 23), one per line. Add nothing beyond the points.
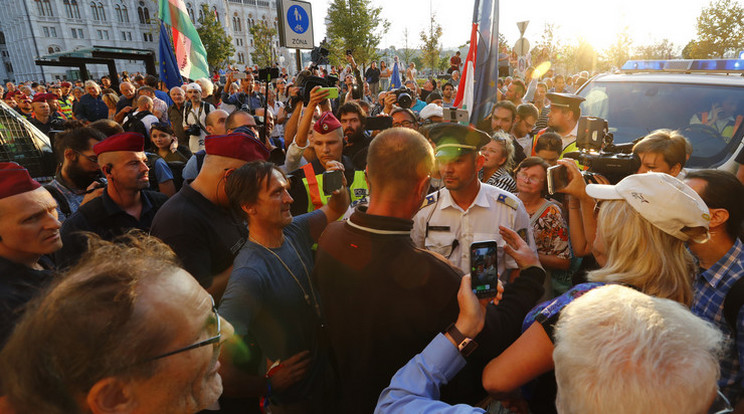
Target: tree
(354, 25)
(546, 48)
(263, 39)
(217, 43)
(430, 44)
(660, 50)
(720, 29)
(619, 52)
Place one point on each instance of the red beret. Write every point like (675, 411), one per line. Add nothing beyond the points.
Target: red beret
(65, 84)
(15, 179)
(326, 123)
(40, 97)
(51, 96)
(126, 141)
(238, 145)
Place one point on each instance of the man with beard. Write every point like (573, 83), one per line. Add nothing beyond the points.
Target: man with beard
(356, 140)
(24, 107)
(124, 204)
(307, 182)
(75, 182)
(29, 230)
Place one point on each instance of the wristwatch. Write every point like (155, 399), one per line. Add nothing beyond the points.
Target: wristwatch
(465, 345)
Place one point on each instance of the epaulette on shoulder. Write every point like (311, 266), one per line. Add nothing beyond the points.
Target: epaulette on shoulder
(509, 201)
(430, 199)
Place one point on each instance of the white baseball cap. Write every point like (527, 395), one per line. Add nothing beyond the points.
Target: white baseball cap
(430, 110)
(193, 85)
(666, 202)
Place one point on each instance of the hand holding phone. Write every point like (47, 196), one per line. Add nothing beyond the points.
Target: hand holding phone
(557, 178)
(332, 181)
(332, 92)
(483, 268)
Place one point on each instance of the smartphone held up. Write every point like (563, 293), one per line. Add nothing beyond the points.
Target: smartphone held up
(484, 268)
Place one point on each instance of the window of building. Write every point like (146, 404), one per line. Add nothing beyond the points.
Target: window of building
(94, 11)
(125, 13)
(80, 34)
(100, 34)
(201, 14)
(46, 31)
(190, 9)
(101, 12)
(2, 38)
(144, 15)
(72, 11)
(74, 33)
(106, 35)
(44, 7)
(56, 49)
(147, 37)
(50, 50)
(53, 31)
(8, 67)
(119, 16)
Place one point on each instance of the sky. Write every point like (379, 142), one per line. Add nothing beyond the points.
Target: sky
(598, 21)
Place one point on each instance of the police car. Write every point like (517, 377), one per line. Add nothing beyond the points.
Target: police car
(23, 143)
(703, 99)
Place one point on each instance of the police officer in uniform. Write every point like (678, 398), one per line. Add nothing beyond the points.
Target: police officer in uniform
(466, 210)
(563, 119)
(307, 182)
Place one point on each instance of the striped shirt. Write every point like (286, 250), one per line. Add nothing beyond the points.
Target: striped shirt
(501, 179)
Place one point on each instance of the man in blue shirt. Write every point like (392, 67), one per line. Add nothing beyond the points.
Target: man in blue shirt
(721, 262)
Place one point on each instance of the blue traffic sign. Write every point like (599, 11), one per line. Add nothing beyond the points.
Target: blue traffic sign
(298, 19)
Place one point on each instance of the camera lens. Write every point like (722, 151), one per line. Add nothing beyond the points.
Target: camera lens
(404, 100)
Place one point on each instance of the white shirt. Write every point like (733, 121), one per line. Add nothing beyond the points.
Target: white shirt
(452, 230)
(571, 137)
(148, 120)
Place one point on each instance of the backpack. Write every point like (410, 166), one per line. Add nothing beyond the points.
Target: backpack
(133, 123)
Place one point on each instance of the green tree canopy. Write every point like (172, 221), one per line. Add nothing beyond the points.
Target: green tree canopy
(263, 39)
(217, 43)
(720, 29)
(356, 25)
(430, 43)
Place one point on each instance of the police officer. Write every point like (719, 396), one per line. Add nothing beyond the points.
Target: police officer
(563, 119)
(466, 210)
(307, 182)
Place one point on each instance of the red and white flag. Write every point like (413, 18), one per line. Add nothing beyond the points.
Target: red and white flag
(465, 91)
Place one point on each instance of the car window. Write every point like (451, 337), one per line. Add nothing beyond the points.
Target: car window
(21, 142)
(709, 116)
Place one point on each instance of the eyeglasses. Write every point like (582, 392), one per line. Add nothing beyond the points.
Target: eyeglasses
(90, 158)
(405, 124)
(526, 178)
(213, 340)
(721, 404)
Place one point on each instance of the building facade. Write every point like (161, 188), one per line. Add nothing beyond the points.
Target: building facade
(30, 29)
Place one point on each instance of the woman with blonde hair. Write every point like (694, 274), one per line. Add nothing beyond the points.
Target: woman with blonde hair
(110, 99)
(642, 226)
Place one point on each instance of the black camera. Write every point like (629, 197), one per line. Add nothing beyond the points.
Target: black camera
(598, 152)
(193, 130)
(356, 92)
(404, 97)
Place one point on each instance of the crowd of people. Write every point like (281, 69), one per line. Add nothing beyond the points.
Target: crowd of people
(252, 246)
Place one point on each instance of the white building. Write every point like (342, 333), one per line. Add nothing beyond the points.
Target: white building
(30, 29)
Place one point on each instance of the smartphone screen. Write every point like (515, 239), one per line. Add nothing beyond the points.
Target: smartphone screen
(557, 178)
(332, 94)
(332, 181)
(378, 123)
(483, 268)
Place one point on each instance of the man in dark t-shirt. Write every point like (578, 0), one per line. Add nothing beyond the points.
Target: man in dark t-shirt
(197, 222)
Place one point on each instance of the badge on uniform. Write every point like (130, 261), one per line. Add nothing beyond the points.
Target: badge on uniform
(360, 192)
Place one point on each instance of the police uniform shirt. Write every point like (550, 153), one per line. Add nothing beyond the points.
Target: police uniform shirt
(571, 137)
(451, 230)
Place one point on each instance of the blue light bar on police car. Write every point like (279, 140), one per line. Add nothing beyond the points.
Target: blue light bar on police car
(684, 65)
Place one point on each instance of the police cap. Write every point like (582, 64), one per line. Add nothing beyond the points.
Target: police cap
(453, 140)
(564, 100)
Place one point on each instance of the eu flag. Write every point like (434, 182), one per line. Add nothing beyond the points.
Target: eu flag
(395, 82)
(487, 62)
(168, 66)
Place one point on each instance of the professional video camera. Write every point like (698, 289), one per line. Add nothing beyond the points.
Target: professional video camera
(404, 97)
(598, 152)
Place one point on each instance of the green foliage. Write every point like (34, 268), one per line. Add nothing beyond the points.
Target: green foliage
(217, 43)
(263, 39)
(720, 30)
(444, 63)
(430, 44)
(619, 52)
(660, 50)
(355, 25)
(545, 49)
(408, 53)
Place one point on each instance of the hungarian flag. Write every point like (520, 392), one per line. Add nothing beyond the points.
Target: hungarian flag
(464, 97)
(477, 90)
(190, 53)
